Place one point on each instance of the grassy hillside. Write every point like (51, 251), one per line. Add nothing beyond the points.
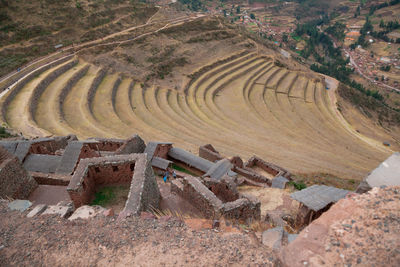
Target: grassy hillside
(32, 28)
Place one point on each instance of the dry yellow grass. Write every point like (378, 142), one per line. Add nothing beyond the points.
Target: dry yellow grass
(243, 107)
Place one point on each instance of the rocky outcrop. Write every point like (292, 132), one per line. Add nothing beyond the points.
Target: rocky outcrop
(358, 230)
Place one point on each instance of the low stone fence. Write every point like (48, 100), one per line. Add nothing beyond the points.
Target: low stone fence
(268, 167)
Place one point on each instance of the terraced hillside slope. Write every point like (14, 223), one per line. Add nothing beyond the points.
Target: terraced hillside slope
(32, 28)
(243, 105)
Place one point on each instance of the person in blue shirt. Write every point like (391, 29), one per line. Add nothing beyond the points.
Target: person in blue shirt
(166, 175)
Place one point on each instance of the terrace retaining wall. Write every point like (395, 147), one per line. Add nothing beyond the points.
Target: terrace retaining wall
(17, 88)
(41, 87)
(67, 88)
(93, 87)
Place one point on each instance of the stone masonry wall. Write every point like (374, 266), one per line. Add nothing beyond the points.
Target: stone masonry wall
(225, 189)
(26, 80)
(134, 144)
(93, 87)
(67, 88)
(15, 182)
(48, 147)
(242, 209)
(144, 193)
(95, 172)
(206, 153)
(105, 145)
(39, 89)
(268, 167)
(162, 151)
(201, 197)
(252, 175)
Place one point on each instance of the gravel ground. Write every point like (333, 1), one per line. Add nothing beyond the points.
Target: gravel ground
(52, 241)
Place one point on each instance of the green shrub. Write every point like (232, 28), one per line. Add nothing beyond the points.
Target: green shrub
(298, 185)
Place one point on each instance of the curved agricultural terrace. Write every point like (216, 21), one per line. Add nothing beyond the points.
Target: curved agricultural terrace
(243, 106)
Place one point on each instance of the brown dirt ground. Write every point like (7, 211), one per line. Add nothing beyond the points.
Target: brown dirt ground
(103, 241)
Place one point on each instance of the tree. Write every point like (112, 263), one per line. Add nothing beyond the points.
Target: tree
(252, 16)
(238, 10)
(284, 37)
(382, 24)
(358, 12)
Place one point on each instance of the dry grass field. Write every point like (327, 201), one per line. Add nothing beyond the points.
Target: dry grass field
(191, 81)
(244, 105)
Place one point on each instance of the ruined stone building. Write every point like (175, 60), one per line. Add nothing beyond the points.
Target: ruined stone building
(79, 168)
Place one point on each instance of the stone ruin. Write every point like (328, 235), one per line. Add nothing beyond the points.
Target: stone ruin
(15, 181)
(209, 182)
(133, 169)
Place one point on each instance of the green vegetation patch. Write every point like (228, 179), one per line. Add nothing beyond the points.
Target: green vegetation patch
(111, 195)
(306, 180)
(298, 185)
(295, 37)
(4, 133)
(181, 169)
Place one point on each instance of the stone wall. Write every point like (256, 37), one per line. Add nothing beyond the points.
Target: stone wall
(144, 193)
(201, 197)
(209, 153)
(94, 172)
(134, 144)
(87, 152)
(39, 89)
(17, 88)
(67, 88)
(49, 146)
(252, 175)
(15, 182)
(120, 169)
(237, 206)
(162, 151)
(242, 209)
(225, 189)
(197, 74)
(114, 92)
(268, 167)
(236, 161)
(105, 145)
(93, 87)
(50, 178)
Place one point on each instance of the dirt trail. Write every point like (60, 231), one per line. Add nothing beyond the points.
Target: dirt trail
(333, 85)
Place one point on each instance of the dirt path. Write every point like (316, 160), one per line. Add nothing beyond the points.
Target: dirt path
(333, 85)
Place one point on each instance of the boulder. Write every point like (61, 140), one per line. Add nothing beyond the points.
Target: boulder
(20, 205)
(86, 212)
(272, 238)
(62, 209)
(37, 210)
